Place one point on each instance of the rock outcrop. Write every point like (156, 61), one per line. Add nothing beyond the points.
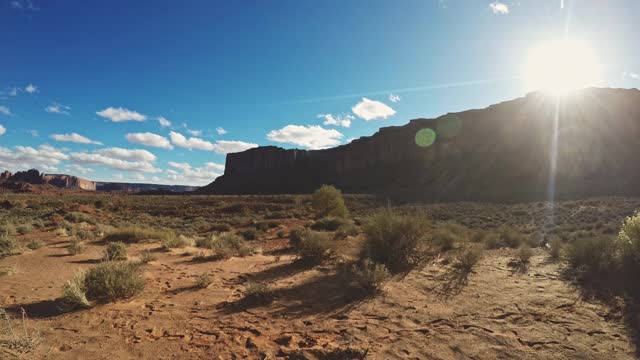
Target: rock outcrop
(34, 177)
(506, 152)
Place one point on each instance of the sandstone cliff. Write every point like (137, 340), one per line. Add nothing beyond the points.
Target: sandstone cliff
(34, 177)
(501, 153)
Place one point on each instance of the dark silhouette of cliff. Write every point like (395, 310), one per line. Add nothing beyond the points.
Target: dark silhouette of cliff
(500, 153)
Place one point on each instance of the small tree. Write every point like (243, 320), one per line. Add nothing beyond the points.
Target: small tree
(328, 201)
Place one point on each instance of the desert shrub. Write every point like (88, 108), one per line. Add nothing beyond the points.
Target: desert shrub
(225, 246)
(206, 242)
(492, 241)
(524, 254)
(220, 227)
(84, 234)
(314, 247)
(510, 237)
(296, 235)
(115, 251)
(266, 225)
(25, 229)
(147, 256)
(61, 231)
(79, 217)
(479, 236)
(629, 243)
(249, 234)
(39, 224)
(555, 247)
(369, 276)
(74, 292)
(258, 294)
(594, 256)
(346, 230)
(8, 244)
(468, 259)
(136, 234)
(394, 239)
(444, 239)
(328, 223)
(176, 241)
(280, 234)
(75, 247)
(8, 229)
(113, 280)
(328, 201)
(203, 280)
(100, 203)
(34, 244)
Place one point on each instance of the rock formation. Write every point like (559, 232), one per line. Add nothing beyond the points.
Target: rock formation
(34, 177)
(505, 152)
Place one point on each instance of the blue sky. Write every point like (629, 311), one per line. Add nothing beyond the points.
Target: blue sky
(83, 84)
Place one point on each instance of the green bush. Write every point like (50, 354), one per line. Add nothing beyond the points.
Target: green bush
(510, 237)
(136, 234)
(369, 276)
(8, 229)
(115, 251)
(75, 247)
(314, 247)
(34, 244)
(468, 259)
(74, 292)
(444, 239)
(111, 281)
(595, 256)
(174, 242)
(524, 254)
(296, 235)
(203, 280)
(8, 245)
(555, 247)
(220, 227)
(25, 229)
(329, 223)
(629, 242)
(249, 234)
(258, 294)
(147, 256)
(225, 246)
(328, 201)
(395, 239)
(79, 217)
(347, 230)
(492, 241)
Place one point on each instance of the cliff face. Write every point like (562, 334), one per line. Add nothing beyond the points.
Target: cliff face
(34, 177)
(501, 153)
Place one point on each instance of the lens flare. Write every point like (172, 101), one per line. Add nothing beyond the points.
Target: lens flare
(425, 137)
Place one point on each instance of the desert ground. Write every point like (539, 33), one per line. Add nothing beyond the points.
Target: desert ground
(518, 301)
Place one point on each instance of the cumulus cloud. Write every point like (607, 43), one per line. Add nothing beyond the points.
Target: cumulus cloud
(191, 143)
(113, 162)
(5, 110)
(195, 132)
(181, 166)
(77, 169)
(634, 76)
(121, 114)
(128, 154)
(2, 130)
(31, 89)
(312, 137)
(44, 157)
(370, 110)
(117, 176)
(394, 98)
(499, 8)
(164, 122)
(214, 166)
(14, 91)
(149, 139)
(75, 138)
(57, 108)
(225, 147)
(221, 131)
(337, 120)
(193, 175)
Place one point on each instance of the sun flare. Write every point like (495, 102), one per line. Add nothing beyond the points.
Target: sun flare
(560, 66)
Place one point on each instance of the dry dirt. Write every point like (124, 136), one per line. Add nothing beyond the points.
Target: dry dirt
(496, 313)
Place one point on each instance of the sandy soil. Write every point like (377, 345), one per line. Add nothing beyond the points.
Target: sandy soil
(497, 312)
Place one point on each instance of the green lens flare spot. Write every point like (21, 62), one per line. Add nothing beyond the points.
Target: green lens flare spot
(449, 126)
(425, 137)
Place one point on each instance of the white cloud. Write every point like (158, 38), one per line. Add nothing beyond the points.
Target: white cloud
(195, 132)
(33, 133)
(499, 8)
(191, 143)
(312, 137)
(24, 5)
(117, 176)
(634, 76)
(2, 130)
(394, 98)
(5, 110)
(75, 138)
(149, 139)
(77, 169)
(121, 114)
(164, 122)
(14, 91)
(128, 154)
(26, 157)
(214, 166)
(337, 120)
(181, 166)
(56, 108)
(113, 163)
(225, 147)
(31, 89)
(221, 131)
(371, 110)
(138, 177)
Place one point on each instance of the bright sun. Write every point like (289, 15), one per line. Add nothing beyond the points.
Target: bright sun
(560, 66)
